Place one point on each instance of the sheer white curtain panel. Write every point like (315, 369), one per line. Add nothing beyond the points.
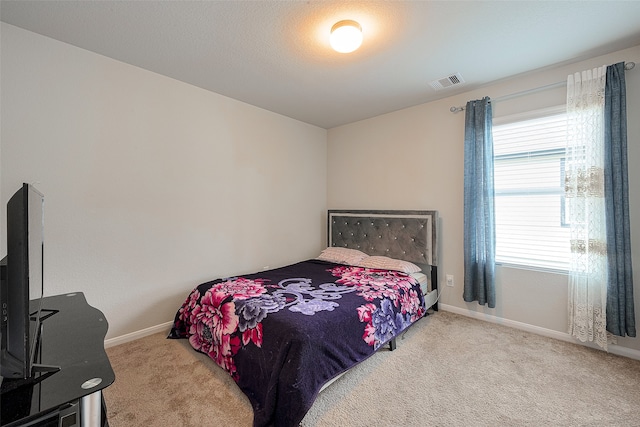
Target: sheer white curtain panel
(584, 192)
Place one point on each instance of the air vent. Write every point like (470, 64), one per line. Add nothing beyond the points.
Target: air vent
(447, 82)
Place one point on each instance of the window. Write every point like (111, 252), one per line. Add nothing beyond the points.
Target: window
(529, 152)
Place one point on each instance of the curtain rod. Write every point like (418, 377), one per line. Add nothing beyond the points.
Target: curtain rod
(627, 66)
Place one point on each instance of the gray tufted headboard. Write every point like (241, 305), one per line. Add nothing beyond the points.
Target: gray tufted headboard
(403, 234)
(410, 235)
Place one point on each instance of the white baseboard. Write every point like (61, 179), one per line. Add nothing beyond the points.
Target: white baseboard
(164, 327)
(563, 336)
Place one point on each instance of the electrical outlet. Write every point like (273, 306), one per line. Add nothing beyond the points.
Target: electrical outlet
(450, 280)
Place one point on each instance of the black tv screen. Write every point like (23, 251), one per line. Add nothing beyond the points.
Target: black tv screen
(22, 282)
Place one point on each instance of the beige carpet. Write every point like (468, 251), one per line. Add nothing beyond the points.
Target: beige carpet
(448, 370)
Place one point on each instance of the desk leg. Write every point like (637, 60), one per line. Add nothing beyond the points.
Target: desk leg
(91, 410)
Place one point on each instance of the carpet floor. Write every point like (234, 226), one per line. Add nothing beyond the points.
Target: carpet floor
(448, 370)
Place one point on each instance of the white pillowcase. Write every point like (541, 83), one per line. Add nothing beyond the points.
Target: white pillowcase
(342, 255)
(386, 263)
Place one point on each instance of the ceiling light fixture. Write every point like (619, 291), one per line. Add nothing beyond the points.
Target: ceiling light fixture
(346, 36)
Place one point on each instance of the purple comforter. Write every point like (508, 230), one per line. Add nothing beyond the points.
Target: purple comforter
(282, 334)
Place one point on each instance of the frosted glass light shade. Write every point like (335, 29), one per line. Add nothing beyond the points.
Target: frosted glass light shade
(346, 36)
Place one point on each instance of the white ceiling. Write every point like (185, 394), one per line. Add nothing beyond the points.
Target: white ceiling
(276, 54)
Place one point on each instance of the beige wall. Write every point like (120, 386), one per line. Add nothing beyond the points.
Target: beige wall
(413, 159)
(151, 185)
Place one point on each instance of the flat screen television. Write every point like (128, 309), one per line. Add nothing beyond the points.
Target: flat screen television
(22, 281)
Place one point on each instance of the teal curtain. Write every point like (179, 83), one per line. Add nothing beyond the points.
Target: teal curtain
(620, 307)
(479, 210)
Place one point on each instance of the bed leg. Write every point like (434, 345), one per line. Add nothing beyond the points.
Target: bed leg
(392, 344)
(434, 281)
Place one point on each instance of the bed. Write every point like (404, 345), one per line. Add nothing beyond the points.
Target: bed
(285, 334)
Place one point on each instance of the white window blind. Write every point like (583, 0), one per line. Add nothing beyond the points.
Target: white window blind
(529, 192)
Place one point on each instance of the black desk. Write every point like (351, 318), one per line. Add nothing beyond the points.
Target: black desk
(72, 339)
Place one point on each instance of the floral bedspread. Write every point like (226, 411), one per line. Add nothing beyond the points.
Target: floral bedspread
(282, 334)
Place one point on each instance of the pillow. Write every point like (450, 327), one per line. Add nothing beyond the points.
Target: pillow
(342, 255)
(386, 263)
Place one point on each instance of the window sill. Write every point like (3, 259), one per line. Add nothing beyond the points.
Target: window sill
(532, 268)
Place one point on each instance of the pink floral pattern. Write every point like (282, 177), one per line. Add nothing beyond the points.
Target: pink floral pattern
(213, 320)
(242, 288)
(399, 303)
